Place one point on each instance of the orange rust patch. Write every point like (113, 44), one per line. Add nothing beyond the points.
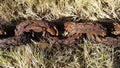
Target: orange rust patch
(117, 29)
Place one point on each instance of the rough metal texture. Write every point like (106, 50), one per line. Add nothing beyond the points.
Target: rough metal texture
(62, 33)
(92, 30)
(14, 41)
(36, 26)
(117, 29)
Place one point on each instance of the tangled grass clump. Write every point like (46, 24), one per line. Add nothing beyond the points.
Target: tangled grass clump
(16, 10)
(42, 55)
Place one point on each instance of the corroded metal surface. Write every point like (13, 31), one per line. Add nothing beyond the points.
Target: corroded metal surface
(62, 33)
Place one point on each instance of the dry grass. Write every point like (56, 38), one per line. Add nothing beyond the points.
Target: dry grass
(86, 55)
(11, 10)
